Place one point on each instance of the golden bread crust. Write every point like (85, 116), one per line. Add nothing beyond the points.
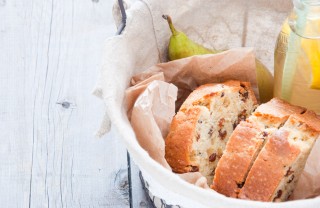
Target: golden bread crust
(310, 120)
(269, 167)
(277, 110)
(202, 94)
(233, 167)
(179, 140)
(244, 146)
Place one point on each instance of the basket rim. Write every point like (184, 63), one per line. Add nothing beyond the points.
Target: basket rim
(159, 173)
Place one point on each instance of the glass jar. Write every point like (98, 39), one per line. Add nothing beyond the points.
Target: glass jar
(297, 56)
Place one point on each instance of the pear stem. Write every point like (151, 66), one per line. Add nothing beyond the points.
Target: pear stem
(168, 18)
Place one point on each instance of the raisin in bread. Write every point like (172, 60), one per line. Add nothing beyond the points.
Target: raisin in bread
(281, 161)
(200, 130)
(246, 142)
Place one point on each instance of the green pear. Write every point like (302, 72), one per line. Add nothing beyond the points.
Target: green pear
(180, 46)
(265, 82)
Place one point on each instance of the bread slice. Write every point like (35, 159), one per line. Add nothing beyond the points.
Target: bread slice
(279, 164)
(246, 142)
(200, 130)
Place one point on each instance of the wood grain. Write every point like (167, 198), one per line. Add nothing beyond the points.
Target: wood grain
(50, 55)
(138, 198)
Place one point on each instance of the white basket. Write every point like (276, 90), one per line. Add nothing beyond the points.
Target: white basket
(144, 42)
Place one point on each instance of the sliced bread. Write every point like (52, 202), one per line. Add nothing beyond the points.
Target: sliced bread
(202, 127)
(279, 165)
(246, 142)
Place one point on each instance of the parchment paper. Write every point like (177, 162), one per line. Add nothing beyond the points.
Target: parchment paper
(189, 73)
(151, 105)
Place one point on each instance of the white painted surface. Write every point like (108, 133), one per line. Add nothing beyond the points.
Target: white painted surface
(50, 54)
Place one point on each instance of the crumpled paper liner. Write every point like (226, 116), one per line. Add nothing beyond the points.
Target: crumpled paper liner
(308, 185)
(189, 73)
(150, 116)
(157, 93)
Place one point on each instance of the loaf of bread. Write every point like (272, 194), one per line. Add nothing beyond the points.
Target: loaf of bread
(266, 153)
(246, 142)
(282, 159)
(201, 129)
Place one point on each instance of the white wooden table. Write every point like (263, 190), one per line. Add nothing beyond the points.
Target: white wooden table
(50, 55)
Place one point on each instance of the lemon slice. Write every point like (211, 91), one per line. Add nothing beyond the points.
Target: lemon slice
(312, 50)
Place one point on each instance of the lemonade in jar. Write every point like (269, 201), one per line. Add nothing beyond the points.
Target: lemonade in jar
(297, 56)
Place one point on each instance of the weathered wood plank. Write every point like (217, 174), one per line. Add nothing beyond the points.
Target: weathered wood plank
(50, 53)
(139, 198)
